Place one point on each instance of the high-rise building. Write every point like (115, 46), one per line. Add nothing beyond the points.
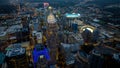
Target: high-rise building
(52, 28)
(51, 19)
(87, 35)
(68, 51)
(40, 52)
(103, 57)
(2, 58)
(96, 35)
(42, 62)
(16, 57)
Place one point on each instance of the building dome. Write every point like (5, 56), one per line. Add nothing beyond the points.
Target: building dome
(51, 18)
(90, 28)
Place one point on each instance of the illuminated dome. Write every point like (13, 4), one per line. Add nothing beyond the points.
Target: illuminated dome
(51, 18)
(90, 28)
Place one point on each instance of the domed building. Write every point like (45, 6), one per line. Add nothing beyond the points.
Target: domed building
(88, 27)
(87, 35)
(96, 35)
(52, 28)
(51, 19)
(90, 34)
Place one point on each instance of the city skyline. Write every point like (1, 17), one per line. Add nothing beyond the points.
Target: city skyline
(59, 34)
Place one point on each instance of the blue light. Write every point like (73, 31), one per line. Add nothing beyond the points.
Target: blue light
(37, 53)
(73, 15)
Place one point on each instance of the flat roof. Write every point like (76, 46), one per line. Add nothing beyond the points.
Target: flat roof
(72, 15)
(15, 52)
(2, 34)
(13, 28)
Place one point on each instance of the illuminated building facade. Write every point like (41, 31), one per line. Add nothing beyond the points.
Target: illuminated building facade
(51, 19)
(16, 57)
(38, 51)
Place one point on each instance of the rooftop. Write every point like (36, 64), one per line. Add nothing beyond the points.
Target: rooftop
(73, 15)
(13, 28)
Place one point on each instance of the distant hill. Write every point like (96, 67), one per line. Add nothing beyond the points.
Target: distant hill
(55, 3)
(7, 9)
(114, 8)
(4, 2)
(104, 2)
